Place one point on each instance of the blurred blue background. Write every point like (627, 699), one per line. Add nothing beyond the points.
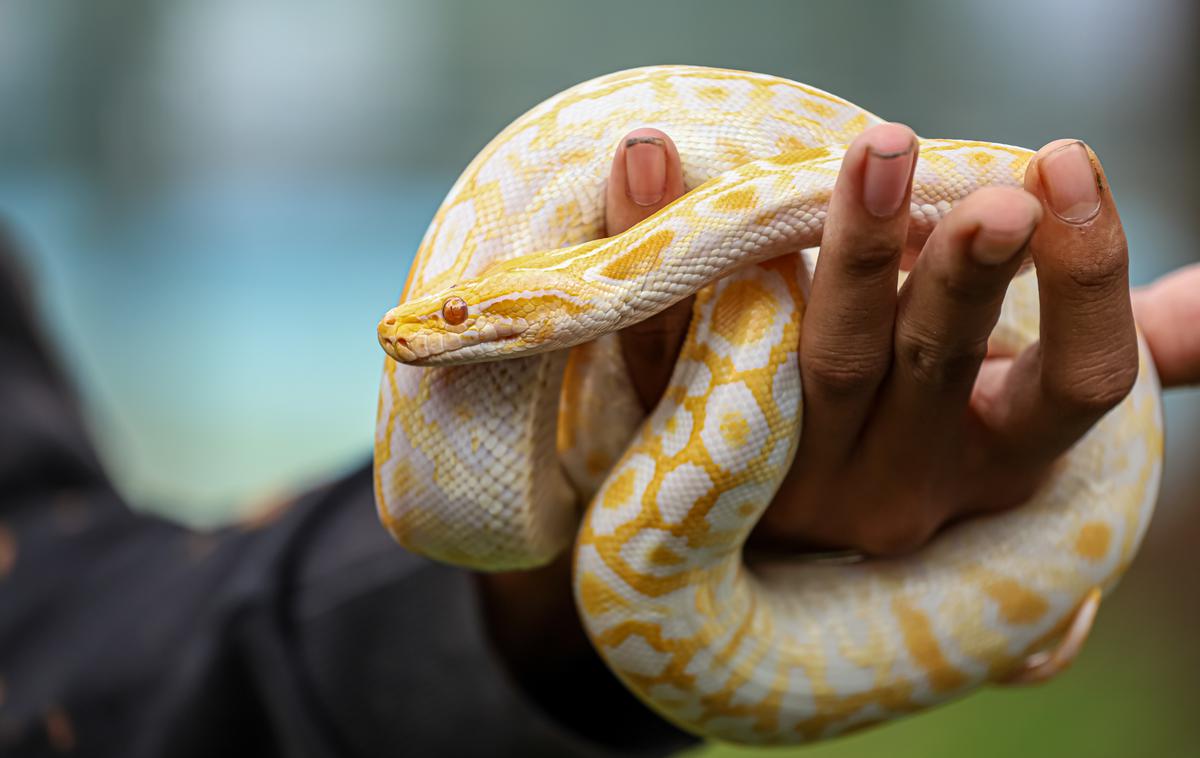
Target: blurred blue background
(218, 198)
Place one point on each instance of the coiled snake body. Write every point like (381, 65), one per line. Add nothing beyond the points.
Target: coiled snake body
(492, 436)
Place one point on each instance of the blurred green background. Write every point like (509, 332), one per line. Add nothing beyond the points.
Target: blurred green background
(220, 197)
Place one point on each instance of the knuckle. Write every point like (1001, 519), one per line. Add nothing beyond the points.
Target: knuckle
(870, 258)
(895, 537)
(1094, 392)
(843, 375)
(970, 287)
(1094, 276)
(1099, 270)
(933, 362)
(1123, 379)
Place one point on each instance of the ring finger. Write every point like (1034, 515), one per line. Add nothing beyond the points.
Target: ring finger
(946, 312)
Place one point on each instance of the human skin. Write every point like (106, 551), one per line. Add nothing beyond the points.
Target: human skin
(900, 395)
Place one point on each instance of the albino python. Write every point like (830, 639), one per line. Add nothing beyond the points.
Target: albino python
(493, 436)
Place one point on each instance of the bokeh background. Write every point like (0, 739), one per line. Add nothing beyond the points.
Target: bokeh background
(218, 198)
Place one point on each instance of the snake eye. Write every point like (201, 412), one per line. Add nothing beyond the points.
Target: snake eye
(454, 311)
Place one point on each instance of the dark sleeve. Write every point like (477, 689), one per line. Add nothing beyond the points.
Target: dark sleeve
(306, 634)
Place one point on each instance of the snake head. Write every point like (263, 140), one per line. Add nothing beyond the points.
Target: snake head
(462, 324)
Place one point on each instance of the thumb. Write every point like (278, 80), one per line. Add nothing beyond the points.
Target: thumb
(646, 176)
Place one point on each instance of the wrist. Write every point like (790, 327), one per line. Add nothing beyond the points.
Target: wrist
(531, 619)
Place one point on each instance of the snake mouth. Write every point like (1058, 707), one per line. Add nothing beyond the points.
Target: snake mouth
(432, 346)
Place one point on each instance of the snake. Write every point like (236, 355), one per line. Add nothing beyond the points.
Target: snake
(508, 430)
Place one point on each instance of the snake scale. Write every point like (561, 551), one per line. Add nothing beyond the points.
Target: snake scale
(507, 427)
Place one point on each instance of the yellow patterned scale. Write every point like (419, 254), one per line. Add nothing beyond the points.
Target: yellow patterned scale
(505, 410)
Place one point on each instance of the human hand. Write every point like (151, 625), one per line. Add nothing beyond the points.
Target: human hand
(908, 425)
(1168, 311)
(911, 411)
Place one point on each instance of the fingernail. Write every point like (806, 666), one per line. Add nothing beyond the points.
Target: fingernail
(645, 169)
(885, 180)
(1070, 183)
